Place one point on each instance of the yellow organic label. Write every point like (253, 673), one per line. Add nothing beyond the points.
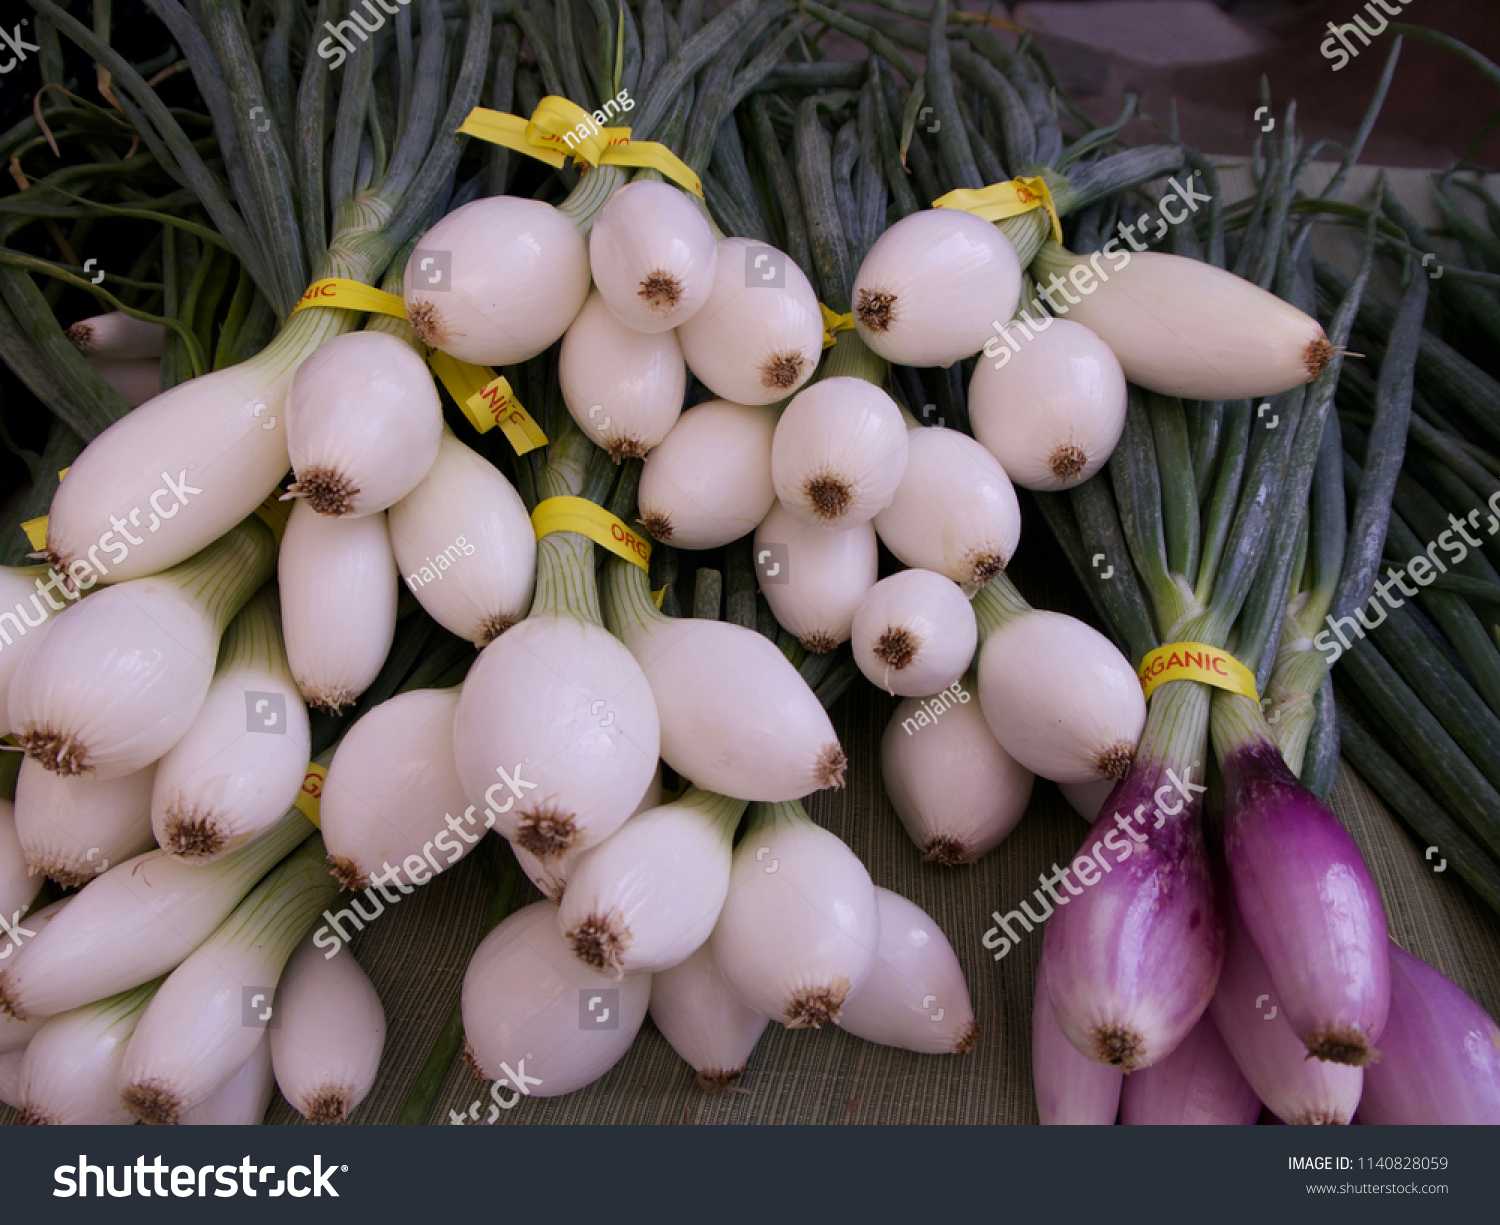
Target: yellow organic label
(487, 401)
(36, 532)
(582, 516)
(1195, 661)
(833, 323)
(350, 295)
(659, 595)
(1008, 199)
(311, 795)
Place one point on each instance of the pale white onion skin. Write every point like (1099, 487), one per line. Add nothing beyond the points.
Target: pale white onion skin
(588, 768)
(754, 343)
(72, 1069)
(121, 674)
(551, 875)
(914, 633)
(916, 997)
(1185, 328)
(800, 930)
(363, 424)
(18, 888)
(467, 514)
(839, 453)
(948, 275)
(652, 255)
(115, 336)
(338, 603)
(242, 1100)
(624, 388)
(828, 571)
(954, 511)
(10, 1078)
(957, 792)
(1052, 412)
(327, 1050)
(1060, 698)
(647, 897)
(1087, 798)
(222, 784)
(391, 787)
(20, 597)
(73, 829)
(134, 379)
(709, 481)
(523, 999)
(704, 1021)
(14, 1034)
(519, 271)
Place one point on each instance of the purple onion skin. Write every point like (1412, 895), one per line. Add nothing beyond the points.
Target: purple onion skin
(1440, 1053)
(1069, 1088)
(1309, 904)
(1294, 1087)
(1198, 1083)
(1131, 963)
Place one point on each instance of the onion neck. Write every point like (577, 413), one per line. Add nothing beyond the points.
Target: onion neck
(565, 582)
(766, 817)
(253, 640)
(1176, 731)
(596, 184)
(721, 811)
(628, 605)
(1239, 728)
(221, 578)
(998, 604)
(850, 357)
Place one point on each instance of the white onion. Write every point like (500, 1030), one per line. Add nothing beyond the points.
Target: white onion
(800, 930)
(709, 481)
(1059, 696)
(28, 589)
(242, 762)
(825, 573)
(363, 424)
(526, 1000)
(197, 1031)
(563, 704)
(551, 875)
(465, 545)
(955, 510)
(957, 792)
(135, 380)
(931, 285)
(704, 1021)
(338, 603)
(649, 895)
(839, 453)
(71, 1072)
(1087, 798)
(503, 279)
(653, 256)
(915, 997)
(327, 1048)
(1052, 410)
(242, 1100)
(73, 828)
(10, 1078)
(914, 633)
(392, 799)
(1185, 328)
(759, 336)
(16, 1033)
(119, 678)
(736, 717)
(624, 388)
(18, 885)
(116, 336)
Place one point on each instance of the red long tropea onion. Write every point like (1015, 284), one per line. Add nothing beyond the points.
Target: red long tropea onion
(1069, 1088)
(1440, 1053)
(1198, 1083)
(1307, 899)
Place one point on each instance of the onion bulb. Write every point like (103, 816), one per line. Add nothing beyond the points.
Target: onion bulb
(1071, 1089)
(914, 633)
(915, 998)
(759, 336)
(623, 388)
(72, 829)
(709, 482)
(363, 424)
(839, 453)
(1051, 411)
(118, 337)
(955, 511)
(652, 255)
(526, 1002)
(135, 380)
(15, 1032)
(800, 930)
(704, 1021)
(1198, 1083)
(242, 1100)
(23, 591)
(497, 280)
(931, 285)
(824, 575)
(18, 884)
(551, 875)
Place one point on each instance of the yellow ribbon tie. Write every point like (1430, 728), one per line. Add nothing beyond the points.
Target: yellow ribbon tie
(832, 323)
(1008, 199)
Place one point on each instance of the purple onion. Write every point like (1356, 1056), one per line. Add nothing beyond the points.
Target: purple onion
(1069, 1088)
(1132, 959)
(1307, 899)
(1295, 1087)
(1197, 1083)
(1440, 1053)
